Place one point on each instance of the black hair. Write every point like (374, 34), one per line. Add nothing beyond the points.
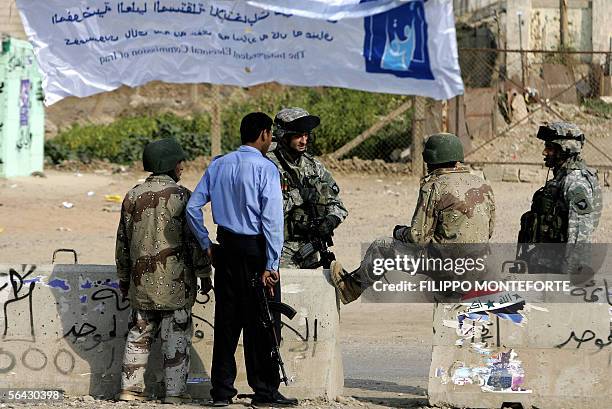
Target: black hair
(252, 125)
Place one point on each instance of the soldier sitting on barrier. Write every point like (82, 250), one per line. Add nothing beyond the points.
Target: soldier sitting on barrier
(158, 260)
(454, 207)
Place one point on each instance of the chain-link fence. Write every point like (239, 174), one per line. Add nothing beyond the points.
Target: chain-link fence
(509, 93)
(359, 131)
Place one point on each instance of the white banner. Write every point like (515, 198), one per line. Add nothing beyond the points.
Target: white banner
(329, 9)
(88, 46)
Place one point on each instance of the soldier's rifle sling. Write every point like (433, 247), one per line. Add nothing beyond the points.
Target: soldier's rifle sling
(294, 178)
(312, 209)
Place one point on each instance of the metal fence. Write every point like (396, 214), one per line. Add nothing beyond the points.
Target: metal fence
(509, 93)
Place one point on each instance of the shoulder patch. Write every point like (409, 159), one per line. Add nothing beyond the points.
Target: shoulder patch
(579, 199)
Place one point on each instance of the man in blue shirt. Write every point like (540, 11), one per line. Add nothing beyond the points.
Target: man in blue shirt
(247, 205)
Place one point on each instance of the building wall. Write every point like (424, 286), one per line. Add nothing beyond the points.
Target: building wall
(588, 24)
(588, 29)
(181, 99)
(545, 25)
(463, 7)
(10, 22)
(601, 28)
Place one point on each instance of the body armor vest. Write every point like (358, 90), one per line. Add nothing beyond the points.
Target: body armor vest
(546, 222)
(299, 219)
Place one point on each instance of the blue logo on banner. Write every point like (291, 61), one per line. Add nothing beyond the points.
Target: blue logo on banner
(396, 42)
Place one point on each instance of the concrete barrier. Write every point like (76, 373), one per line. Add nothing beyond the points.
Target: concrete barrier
(559, 356)
(63, 326)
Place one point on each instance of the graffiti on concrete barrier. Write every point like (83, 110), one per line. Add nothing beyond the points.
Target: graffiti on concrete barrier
(586, 337)
(61, 320)
(308, 338)
(35, 359)
(76, 314)
(75, 323)
(16, 289)
(589, 335)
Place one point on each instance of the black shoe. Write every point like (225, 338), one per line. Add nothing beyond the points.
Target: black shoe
(220, 403)
(276, 400)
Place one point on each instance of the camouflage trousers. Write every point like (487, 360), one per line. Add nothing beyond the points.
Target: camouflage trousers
(289, 250)
(388, 248)
(381, 248)
(175, 329)
(372, 267)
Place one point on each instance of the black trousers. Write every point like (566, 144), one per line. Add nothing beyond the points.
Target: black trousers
(238, 260)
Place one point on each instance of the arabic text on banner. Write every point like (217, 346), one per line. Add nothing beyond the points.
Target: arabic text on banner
(87, 47)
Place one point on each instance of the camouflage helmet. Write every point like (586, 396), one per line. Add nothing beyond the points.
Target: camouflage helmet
(161, 156)
(294, 120)
(442, 148)
(565, 134)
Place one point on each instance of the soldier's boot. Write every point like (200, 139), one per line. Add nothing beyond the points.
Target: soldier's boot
(128, 396)
(348, 287)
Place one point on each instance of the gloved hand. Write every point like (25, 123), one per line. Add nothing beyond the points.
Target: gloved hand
(205, 285)
(309, 194)
(124, 287)
(327, 226)
(397, 232)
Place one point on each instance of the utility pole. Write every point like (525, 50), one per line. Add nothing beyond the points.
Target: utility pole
(444, 124)
(563, 25)
(215, 128)
(519, 14)
(418, 130)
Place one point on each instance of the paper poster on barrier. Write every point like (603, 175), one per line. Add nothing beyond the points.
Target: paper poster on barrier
(87, 47)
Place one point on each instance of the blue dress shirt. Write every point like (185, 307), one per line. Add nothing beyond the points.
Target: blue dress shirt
(245, 194)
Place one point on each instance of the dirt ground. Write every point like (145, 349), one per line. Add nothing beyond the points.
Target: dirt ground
(386, 348)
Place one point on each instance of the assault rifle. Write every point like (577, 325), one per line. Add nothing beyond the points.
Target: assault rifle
(266, 307)
(315, 244)
(525, 238)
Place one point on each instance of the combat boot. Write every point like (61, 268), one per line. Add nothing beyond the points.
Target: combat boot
(349, 289)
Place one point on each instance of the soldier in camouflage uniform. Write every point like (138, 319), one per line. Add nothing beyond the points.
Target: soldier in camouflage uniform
(158, 261)
(454, 207)
(566, 209)
(311, 197)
